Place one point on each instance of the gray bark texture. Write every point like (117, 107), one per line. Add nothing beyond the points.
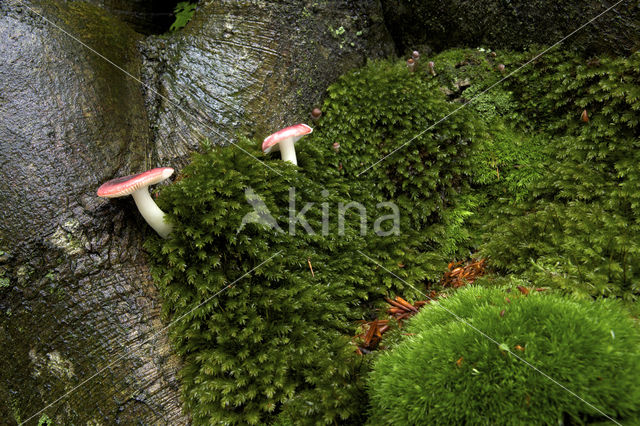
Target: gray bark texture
(253, 67)
(76, 296)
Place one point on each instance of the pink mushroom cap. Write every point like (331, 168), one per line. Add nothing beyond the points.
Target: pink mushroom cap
(127, 185)
(293, 132)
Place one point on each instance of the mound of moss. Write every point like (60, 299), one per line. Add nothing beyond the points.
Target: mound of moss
(380, 128)
(384, 119)
(449, 372)
(261, 333)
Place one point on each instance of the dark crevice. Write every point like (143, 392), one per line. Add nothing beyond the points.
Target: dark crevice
(145, 16)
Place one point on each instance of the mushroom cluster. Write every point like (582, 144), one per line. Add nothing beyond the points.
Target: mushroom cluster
(137, 185)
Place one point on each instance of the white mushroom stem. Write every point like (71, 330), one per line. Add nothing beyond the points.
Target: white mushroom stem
(288, 151)
(151, 212)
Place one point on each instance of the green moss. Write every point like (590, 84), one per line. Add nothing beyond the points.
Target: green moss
(447, 373)
(277, 341)
(276, 345)
(552, 196)
(509, 156)
(578, 226)
(384, 111)
(184, 12)
(45, 421)
(504, 173)
(290, 326)
(15, 409)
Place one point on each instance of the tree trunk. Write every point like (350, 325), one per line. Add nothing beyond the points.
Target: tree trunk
(75, 291)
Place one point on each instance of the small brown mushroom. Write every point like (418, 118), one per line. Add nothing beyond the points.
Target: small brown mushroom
(411, 65)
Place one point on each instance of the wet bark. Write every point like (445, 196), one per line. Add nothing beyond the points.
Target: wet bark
(143, 16)
(75, 291)
(252, 67)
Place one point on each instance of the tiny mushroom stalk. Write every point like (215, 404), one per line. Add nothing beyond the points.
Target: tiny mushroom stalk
(411, 65)
(285, 140)
(432, 68)
(137, 187)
